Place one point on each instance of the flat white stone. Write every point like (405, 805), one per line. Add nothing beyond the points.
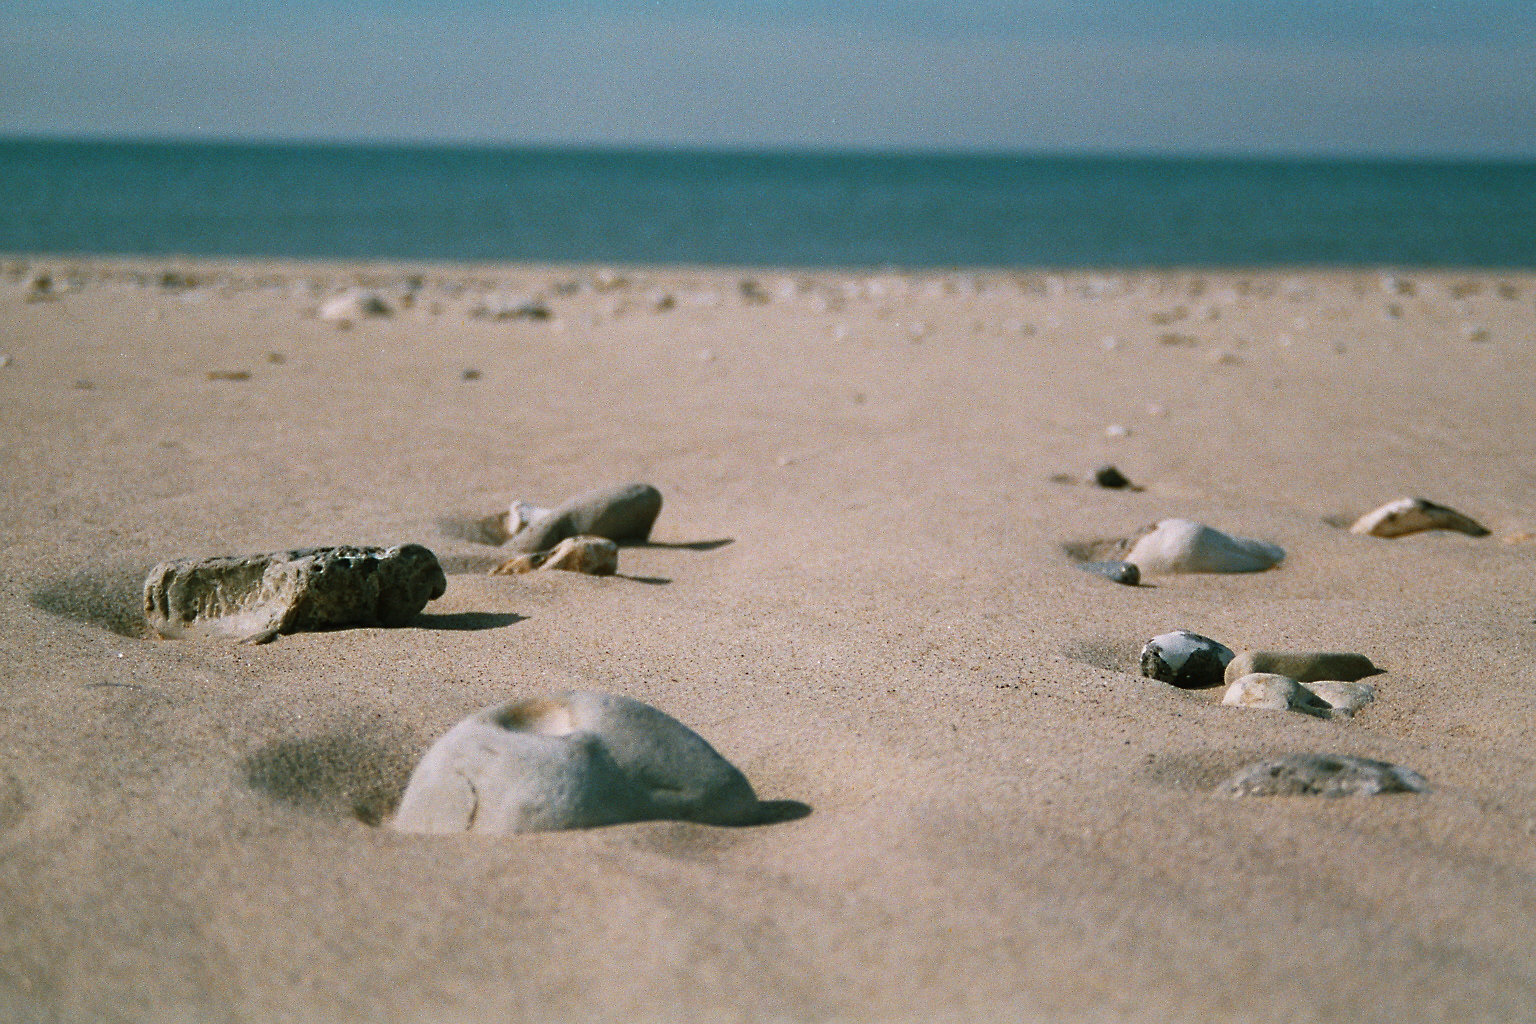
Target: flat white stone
(1344, 697)
(356, 304)
(1265, 691)
(574, 760)
(1180, 545)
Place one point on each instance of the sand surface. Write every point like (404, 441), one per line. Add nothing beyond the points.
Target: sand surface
(857, 594)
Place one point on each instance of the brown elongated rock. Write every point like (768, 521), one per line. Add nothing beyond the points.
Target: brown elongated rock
(594, 556)
(254, 598)
(623, 514)
(1302, 666)
(573, 760)
(1327, 775)
(1410, 515)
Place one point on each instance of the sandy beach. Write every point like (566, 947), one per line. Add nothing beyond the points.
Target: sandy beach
(857, 591)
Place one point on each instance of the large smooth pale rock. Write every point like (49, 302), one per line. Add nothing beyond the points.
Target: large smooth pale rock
(1180, 545)
(575, 760)
(1302, 666)
(1266, 691)
(1410, 515)
(622, 514)
(1329, 775)
(253, 598)
(1185, 659)
(594, 556)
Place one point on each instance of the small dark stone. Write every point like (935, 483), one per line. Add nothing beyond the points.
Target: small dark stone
(1109, 476)
(1120, 572)
(470, 375)
(1184, 659)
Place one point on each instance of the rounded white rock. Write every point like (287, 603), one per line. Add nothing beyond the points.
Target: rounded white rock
(1410, 515)
(1266, 691)
(1181, 545)
(575, 760)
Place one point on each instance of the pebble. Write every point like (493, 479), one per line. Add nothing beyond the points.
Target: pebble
(5, 360)
(1303, 666)
(624, 514)
(1267, 691)
(254, 598)
(503, 307)
(1327, 775)
(593, 556)
(574, 760)
(1411, 515)
(1185, 659)
(356, 304)
(1344, 697)
(1117, 430)
(1110, 477)
(1180, 545)
(1119, 572)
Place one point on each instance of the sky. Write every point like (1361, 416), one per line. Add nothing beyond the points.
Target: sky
(1396, 78)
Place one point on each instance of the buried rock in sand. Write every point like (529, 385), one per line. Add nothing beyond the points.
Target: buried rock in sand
(253, 598)
(1410, 515)
(1180, 545)
(622, 514)
(1303, 666)
(575, 760)
(594, 556)
(1328, 775)
(1266, 691)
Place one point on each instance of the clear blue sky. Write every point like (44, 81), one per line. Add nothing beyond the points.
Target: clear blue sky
(1349, 77)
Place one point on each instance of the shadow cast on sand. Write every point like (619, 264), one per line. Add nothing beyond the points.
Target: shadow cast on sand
(466, 621)
(693, 545)
(334, 774)
(112, 598)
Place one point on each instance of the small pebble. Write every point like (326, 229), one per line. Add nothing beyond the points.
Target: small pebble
(1185, 659)
(229, 374)
(1327, 775)
(1119, 572)
(1109, 476)
(1344, 697)
(1266, 691)
(276, 358)
(470, 375)
(5, 360)
(1117, 430)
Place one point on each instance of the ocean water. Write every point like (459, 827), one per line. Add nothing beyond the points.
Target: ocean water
(757, 209)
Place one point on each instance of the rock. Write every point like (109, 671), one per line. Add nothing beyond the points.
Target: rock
(253, 598)
(623, 514)
(1303, 666)
(1267, 691)
(503, 307)
(1344, 697)
(1179, 545)
(1184, 659)
(1120, 572)
(1410, 515)
(595, 556)
(1330, 775)
(574, 760)
(352, 305)
(1110, 477)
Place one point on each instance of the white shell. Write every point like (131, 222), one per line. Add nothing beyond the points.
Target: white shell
(1410, 515)
(1180, 545)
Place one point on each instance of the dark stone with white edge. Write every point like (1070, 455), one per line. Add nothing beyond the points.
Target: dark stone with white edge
(1120, 572)
(1327, 775)
(1110, 477)
(1185, 659)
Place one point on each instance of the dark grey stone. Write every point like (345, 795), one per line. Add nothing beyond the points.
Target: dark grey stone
(1120, 572)
(1185, 659)
(254, 598)
(1109, 476)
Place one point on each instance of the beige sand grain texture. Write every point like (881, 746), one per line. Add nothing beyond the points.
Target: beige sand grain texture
(856, 591)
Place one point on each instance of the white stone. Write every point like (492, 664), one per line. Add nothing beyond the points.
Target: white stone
(1344, 697)
(593, 556)
(1180, 545)
(1325, 775)
(1266, 691)
(355, 304)
(1410, 515)
(574, 760)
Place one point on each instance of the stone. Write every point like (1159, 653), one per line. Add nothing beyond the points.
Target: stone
(1328, 775)
(254, 598)
(1266, 691)
(594, 556)
(622, 514)
(1302, 666)
(1344, 697)
(1110, 477)
(574, 760)
(1410, 515)
(1119, 572)
(1185, 659)
(354, 304)
(507, 307)
(1180, 545)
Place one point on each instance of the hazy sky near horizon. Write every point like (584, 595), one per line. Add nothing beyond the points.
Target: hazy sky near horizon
(1350, 77)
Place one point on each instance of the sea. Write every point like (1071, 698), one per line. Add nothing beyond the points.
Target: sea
(740, 208)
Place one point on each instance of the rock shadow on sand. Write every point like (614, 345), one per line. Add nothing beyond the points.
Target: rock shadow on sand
(341, 775)
(466, 621)
(112, 598)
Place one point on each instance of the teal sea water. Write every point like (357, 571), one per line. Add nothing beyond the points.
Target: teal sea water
(753, 209)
